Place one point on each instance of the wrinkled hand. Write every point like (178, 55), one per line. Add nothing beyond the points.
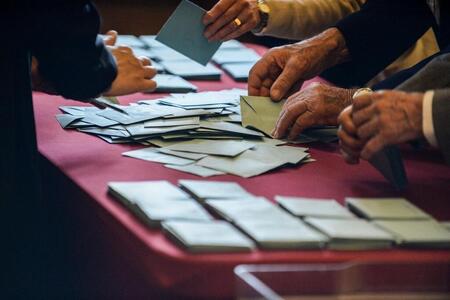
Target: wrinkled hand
(318, 104)
(219, 21)
(133, 74)
(378, 120)
(284, 68)
(349, 142)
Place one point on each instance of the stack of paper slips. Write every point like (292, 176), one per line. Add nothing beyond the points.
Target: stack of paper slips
(352, 234)
(213, 236)
(318, 208)
(238, 71)
(192, 70)
(411, 226)
(268, 225)
(235, 210)
(446, 224)
(156, 201)
(242, 55)
(173, 84)
(386, 209)
(281, 233)
(417, 233)
(202, 190)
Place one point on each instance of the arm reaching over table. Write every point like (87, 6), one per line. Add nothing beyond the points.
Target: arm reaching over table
(134, 74)
(283, 69)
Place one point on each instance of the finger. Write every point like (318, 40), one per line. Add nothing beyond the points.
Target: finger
(125, 49)
(374, 145)
(350, 142)
(288, 77)
(149, 72)
(363, 115)
(349, 158)
(351, 152)
(148, 85)
(110, 38)
(218, 10)
(224, 31)
(307, 119)
(287, 118)
(368, 129)
(226, 20)
(257, 74)
(248, 24)
(362, 101)
(346, 122)
(145, 61)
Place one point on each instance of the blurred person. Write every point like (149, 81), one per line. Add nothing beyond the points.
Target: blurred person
(73, 62)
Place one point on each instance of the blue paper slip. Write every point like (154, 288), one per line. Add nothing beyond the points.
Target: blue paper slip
(183, 32)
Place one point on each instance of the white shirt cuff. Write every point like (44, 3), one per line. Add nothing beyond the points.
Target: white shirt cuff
(427, 118)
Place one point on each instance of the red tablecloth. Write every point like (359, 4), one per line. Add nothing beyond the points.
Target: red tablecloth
(91, 163)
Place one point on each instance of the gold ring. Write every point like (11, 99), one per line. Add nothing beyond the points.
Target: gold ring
(237, 22)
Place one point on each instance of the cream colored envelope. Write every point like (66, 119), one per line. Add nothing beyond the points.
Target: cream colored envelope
(260, 113)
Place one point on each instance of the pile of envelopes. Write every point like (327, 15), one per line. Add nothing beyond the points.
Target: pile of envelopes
(215, 216)
(198, 133)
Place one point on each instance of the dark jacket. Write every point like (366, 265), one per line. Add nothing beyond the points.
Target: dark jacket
(377, 35)
(63, 36)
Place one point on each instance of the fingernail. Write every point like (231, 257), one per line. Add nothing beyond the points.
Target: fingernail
(274, 133)
(275, 95)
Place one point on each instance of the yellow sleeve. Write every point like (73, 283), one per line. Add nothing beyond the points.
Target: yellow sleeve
(300, 19)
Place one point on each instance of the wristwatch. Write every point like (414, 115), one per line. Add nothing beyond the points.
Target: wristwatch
(264, 11)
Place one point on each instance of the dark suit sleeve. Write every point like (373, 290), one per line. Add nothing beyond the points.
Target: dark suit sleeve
(441, 121)
(432, 76)
(70, 54)
(377, 35)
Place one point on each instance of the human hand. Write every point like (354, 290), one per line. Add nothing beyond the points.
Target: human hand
(386, 118)
(110, 38)
(133, 74)
(349, 142)
(318, 104)
(283, 68)
(220, 20)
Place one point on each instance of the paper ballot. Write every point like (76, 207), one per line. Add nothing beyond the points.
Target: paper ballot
(183, 32)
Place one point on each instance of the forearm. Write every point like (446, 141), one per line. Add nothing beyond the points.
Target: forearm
(301, 19)
(330, 46)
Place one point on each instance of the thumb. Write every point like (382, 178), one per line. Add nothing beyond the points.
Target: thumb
(288, 77)
(110, 38)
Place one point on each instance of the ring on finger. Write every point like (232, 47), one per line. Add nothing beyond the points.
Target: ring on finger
(237, 22)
